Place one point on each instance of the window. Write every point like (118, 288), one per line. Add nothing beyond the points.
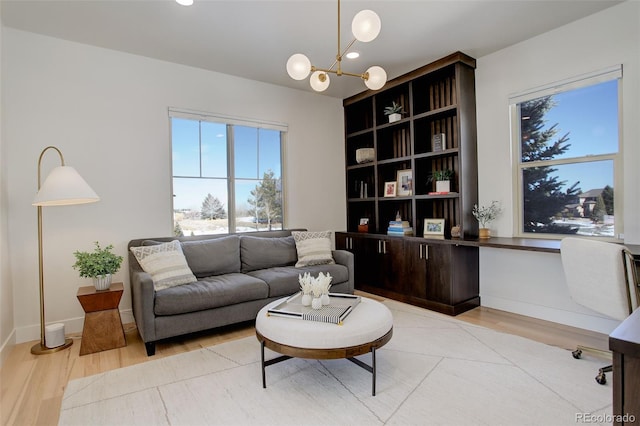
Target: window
(227, 174)
(566, 140)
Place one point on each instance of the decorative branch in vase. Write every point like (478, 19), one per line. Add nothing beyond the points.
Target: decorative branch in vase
(486, 215)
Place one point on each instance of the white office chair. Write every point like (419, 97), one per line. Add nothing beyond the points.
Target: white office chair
(601, 276)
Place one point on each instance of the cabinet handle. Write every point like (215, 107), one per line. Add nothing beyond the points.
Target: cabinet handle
(420, 251)
(384, 247)
(379, 246)
(426, 252)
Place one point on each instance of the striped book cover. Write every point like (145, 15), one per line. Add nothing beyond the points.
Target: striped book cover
(339, 308)
(330, 314)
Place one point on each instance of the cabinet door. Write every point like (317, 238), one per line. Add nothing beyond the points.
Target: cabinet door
(427, 269)
(364, 254)
(343, 241)
(390, 264)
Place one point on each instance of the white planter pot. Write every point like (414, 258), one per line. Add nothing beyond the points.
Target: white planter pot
(443, 186)
(395, 117)
(102, 282)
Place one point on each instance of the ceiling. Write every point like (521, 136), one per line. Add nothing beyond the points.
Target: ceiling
(254, 39)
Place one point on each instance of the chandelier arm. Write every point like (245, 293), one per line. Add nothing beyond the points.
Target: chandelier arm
(363, 76)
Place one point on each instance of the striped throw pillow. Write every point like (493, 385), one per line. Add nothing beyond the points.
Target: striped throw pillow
(314, 248)
(165, 263)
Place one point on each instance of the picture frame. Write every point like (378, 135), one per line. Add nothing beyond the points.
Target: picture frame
(390, 189)
(434, 228)
(404, 185)
(439, 142)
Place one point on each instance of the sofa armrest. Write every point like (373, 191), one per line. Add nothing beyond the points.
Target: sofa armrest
(142, 302)
(344, 257)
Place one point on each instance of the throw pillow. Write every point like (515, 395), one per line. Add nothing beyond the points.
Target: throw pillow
(314, 248)
(215, 256)
(165, 263)
(266, 252)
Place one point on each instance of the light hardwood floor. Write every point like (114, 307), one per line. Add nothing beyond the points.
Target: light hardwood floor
(31, 387)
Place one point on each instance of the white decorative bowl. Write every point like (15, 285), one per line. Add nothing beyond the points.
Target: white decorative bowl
(364, 155)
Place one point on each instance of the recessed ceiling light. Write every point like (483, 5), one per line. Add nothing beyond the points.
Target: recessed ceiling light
(185, 2)
(352, 55)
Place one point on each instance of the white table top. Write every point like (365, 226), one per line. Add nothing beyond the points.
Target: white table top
(369, 321)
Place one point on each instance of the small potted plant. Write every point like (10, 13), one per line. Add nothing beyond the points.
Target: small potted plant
(486, 215)
(442, 179)
(99, 264)
(394, 112)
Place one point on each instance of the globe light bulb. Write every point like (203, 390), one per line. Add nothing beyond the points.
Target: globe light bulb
(377, 78)
(366, 25)
(319, 81)
(298, 66)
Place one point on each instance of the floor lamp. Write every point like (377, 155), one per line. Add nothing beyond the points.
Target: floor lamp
(63, 187)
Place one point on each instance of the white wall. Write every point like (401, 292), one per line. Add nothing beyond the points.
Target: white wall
(107, 112)
(532, 283)
(7, 336)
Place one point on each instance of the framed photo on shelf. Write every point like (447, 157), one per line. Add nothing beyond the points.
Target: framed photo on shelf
(438, 142)
(434, 228)
(405, 182)
(389, 189)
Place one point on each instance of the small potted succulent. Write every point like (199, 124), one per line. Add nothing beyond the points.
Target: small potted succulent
(486, 215)
(394, 112)
(99, 264)
(442, 179)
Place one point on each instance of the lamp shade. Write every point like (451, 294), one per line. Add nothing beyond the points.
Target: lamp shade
(377, 78)
(64, 186)
(298, 66)
(366, 25)
(318, 83)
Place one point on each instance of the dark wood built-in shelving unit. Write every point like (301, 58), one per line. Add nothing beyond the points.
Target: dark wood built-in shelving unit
(437, 98)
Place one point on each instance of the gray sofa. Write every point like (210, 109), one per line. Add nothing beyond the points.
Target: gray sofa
(237, 274)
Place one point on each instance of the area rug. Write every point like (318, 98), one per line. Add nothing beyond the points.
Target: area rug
(436, 370)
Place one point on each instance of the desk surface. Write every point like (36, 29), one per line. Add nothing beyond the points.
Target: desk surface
(535, 244)
(626, 337)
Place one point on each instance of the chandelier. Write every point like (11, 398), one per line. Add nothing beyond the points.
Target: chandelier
(365, 27)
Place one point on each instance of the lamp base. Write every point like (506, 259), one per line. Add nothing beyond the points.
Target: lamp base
(40, 349)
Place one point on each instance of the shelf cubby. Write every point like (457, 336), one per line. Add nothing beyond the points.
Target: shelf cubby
(438, 98)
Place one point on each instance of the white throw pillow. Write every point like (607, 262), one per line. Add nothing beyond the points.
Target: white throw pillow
(314, 248)
(165, 263)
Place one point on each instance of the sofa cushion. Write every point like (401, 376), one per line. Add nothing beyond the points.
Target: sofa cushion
(165, 263)
(283, 281)
(210, 292)
(314, 248)
(265, 252)
(215, 256)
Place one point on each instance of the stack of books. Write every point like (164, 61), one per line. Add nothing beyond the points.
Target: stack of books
(400, 228)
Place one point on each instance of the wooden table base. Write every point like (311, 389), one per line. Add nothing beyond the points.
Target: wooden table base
(102, 323)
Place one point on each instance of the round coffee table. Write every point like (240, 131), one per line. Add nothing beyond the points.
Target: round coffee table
(368, 327)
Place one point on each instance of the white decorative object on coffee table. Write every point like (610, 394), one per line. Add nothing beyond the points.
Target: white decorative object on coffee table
(368, 327)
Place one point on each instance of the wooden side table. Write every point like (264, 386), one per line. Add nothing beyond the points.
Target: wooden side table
(102, 324)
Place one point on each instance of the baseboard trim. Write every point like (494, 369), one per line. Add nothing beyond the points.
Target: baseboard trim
(71, 326)
(7, 346)
(573, 319)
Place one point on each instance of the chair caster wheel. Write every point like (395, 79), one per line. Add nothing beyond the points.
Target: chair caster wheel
(577, 354)
(601, 378)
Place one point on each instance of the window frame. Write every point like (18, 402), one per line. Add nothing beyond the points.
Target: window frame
(229, 122)
(563, 86)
